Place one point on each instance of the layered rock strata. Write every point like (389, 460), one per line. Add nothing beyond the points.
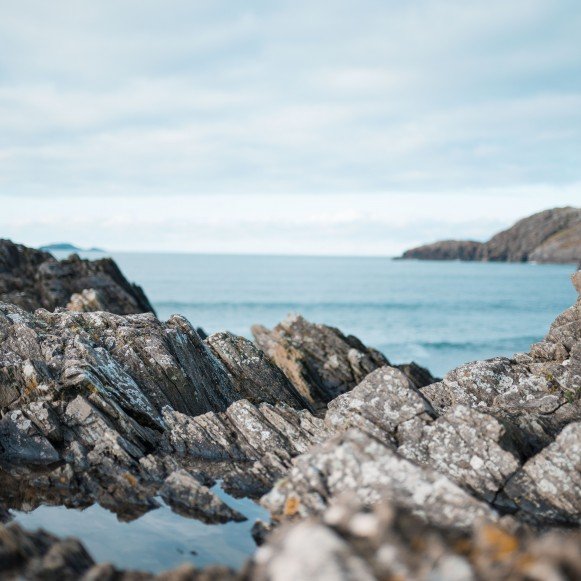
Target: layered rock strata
(33, 279)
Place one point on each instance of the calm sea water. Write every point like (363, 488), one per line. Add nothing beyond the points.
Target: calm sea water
(439, 314)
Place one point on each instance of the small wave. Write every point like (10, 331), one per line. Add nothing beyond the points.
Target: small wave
(298, 305)
(505, 343)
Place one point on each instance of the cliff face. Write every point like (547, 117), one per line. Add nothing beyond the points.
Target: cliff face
(549, 236)
(34, 279)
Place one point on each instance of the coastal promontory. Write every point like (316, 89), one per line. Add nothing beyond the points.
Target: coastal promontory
(552, 236)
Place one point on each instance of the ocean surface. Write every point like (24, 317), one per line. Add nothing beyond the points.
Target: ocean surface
(439, 314)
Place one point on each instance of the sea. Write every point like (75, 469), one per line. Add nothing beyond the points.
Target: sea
(438, 314)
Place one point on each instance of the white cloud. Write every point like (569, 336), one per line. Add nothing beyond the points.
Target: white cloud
(135, 98)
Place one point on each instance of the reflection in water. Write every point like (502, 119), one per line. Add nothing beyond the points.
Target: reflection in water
(158, 540)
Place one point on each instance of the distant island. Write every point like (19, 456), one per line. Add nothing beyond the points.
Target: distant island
(67, 247)
(552, 236)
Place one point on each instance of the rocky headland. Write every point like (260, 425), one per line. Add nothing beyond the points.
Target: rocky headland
(552, 236)
(369, 470)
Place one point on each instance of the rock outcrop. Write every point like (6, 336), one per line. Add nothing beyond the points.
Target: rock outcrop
(322, 362)
(34, 279)
(367, 471)
(549, 236)
(110, 406)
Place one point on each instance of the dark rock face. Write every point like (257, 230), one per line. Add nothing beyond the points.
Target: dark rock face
(322, 362)
(447, 250)
(34, 279)
(549, 236)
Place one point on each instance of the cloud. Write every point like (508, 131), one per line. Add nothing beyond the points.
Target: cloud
(113, 100)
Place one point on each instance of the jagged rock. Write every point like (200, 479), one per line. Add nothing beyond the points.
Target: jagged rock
(188, 496)
(321, 362)
(384, 403)
(348, 543)
(252, 373)
(33, 279)
(549, 236)
(100, 393)
(521, 393)
(357, 465)
(264, 437)
(548, 486)
(39, 555)
(466, 446)
(21, 441)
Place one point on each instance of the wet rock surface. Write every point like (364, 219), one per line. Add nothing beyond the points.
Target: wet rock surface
(550, 236)
(34, 279)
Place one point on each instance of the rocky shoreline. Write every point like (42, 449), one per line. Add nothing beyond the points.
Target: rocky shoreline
(369, 470)
(552, 236)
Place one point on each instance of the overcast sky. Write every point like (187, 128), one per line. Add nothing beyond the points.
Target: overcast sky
(339, 127)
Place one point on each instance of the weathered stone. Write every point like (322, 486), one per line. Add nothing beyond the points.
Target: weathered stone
(347, 543)
(354, 464)
(20, 441)
(466, 446)
(32, 279)
(321, 362)
(385, 400)
(188, 497)
(548, 486)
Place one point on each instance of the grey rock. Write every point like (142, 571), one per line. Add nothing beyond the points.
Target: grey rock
(355, 464)
(322, 362)
(20, 441)
(466, 446)
(32, 279)
(39, 555)
(382, 404)
(348, 542)
(187, 496)
(548, 486)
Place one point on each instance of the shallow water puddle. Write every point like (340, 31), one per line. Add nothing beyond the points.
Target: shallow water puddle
(157, 541)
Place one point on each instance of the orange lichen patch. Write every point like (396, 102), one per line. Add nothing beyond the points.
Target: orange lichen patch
(498, 543)
(291, 506)
(130, 478)
(463, 546)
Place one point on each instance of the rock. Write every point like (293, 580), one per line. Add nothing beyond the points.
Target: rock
(34, 279)
(121, 402)
(466, 446)
(252, 373)
(384, 403)
(447, 250)
(348, 542)
(353, 464)
(548, 486)
(321, 362)
(520, 393)
(39, 555)
(189, 497)
(20, 441)
(549, 236)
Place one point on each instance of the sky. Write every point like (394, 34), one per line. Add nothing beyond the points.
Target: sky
(311, 127)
